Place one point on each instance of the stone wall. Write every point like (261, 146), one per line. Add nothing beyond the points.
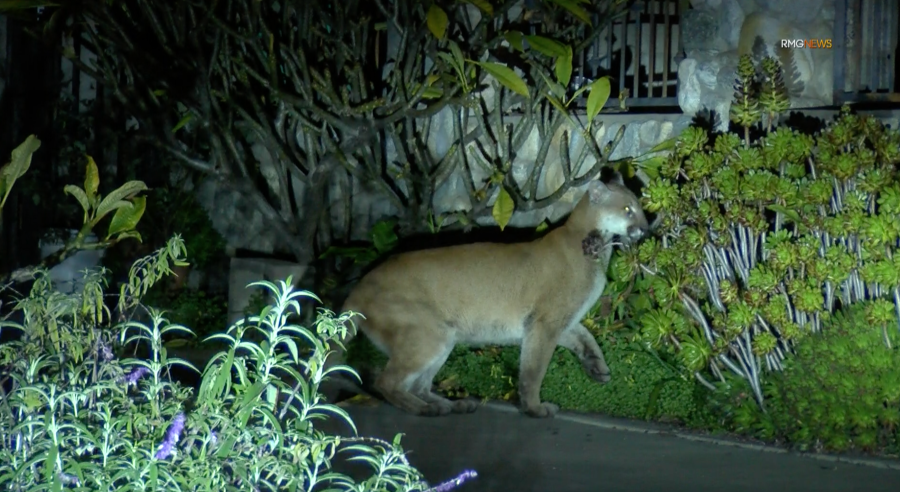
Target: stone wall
(716, 32)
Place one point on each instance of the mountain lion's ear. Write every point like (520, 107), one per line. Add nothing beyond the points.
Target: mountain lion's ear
(597, 191)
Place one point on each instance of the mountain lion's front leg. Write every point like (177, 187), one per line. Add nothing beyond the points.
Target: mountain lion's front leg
(582, 343)
(537, 349)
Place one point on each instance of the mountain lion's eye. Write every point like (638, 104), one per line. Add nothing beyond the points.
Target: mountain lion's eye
(628, 210)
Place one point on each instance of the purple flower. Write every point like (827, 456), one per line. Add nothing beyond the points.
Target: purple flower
(173, 433)
(213, 438)
(69, 479)
(135, 374)
(106, 353)
(456, 482)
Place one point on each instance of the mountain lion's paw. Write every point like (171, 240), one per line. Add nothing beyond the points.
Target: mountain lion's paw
(542, 411)
(465, 406)
(436, 409)
(597, 370)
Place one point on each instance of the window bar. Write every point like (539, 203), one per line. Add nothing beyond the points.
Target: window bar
(839, 48)
(636, 54)
(894, 25)
(666, 48)
(623, 46)
(857, 45)
(873, 27)
(651, 62)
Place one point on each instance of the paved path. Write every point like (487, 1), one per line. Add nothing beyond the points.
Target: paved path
(577, 453)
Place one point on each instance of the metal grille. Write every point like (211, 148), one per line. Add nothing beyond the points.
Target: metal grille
(640, 52)
(865, 51)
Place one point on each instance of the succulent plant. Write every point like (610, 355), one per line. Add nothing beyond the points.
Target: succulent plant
(762, 242)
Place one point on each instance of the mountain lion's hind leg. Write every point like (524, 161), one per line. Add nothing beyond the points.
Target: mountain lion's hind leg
(583, 344)
(417, 358)
(423, 384)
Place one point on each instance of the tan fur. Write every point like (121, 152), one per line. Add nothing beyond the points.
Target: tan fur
(419, 305)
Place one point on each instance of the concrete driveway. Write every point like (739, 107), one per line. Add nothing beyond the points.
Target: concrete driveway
(578, 453)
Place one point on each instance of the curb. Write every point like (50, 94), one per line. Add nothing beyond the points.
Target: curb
(658, 429)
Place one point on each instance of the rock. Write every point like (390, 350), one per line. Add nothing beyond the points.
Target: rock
(706, 82)
(730, 18)
(802, 11)
(699, 29)
(748, 6)
(689, 90)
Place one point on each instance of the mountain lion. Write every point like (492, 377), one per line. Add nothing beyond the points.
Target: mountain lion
(417, 306)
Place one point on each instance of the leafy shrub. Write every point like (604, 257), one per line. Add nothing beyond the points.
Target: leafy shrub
(76, 415)
(841, 390)
(761, 242)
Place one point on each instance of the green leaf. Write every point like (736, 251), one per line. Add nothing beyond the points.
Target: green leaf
(503, 208)
(449, 59)
(564, 67)
(127, 217)
(226, 448)
(50, 462)
(579, 92)
(554, 87)
(254, 393)
(91, 180)
(383, 236)
(557, 104)
(792, 215)
(543, 226)
(130, 235)
(483, 5)
(177, 343)
(505, 76)
(459, 58)
(574, 9)
(546, 46)
(433, 93)
(599, 94)
(437, 21)
(124, 192)
(515, 39)
(652, 165)
(224, 375)
(82, 198)
(182, 122)
(667, 144)
(18, 165)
